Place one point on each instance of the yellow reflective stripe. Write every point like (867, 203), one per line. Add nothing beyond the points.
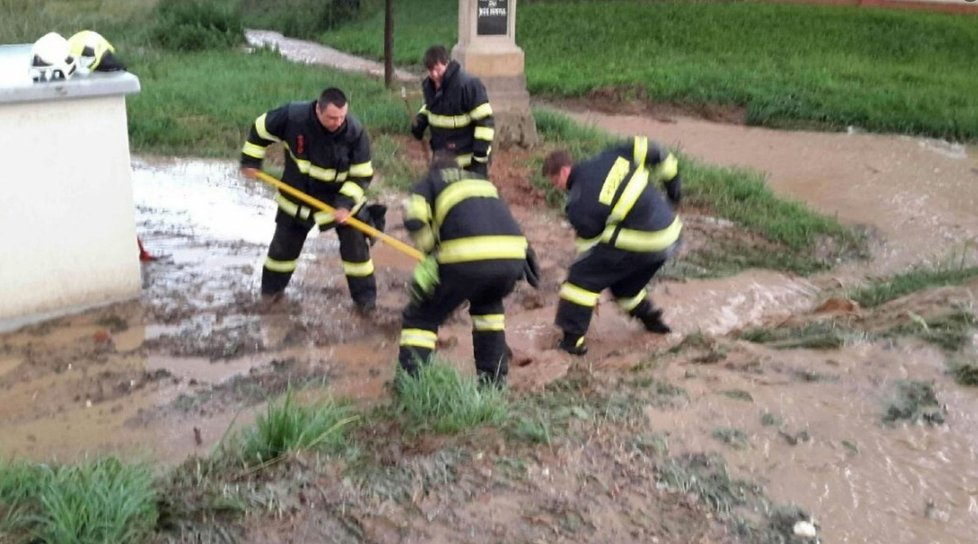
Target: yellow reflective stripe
(489, 322)
(578, 295)
(629, 304)
(484, 133)
(642, 240)
(424, 238)
(362, 170)
(640, 150)
(464, 160)
(459, 191)
(262, 131)
(419, 338)
(423, 110)
(320, 173)
(417, 207)
(667, 169)
(616, 174)
(253, 150)
(352, 190)
(481, 248)
(358, 270)
(636, 185)
(584, 244)
(480, 159)
(291, 208)
(481, 112)
(280, 266)
(449, 121)
(323, 218)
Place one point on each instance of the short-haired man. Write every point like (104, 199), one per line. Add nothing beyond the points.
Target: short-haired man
(625, 229)
(327, 156)
(456, 110)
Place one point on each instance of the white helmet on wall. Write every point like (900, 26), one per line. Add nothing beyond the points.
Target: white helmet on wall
(52, 58)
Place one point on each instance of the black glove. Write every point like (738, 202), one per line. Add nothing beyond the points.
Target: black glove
(375, 216)
(674, 189)
(480, 168)
(531, 272)
(417, 130)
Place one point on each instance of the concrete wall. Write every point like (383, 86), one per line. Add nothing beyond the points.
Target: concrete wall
(67, 219)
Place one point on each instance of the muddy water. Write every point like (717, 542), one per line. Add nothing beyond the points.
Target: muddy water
(920, 193)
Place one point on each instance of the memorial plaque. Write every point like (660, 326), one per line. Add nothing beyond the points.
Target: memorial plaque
(492, 17)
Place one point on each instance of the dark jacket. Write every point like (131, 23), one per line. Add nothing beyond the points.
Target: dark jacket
(458, 114)
(613, 199)
(333, 167)
(459, 217)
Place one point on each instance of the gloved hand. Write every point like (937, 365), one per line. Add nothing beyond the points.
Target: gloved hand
(674, 190)
(531, 271)
(425, 279)
(480, 168)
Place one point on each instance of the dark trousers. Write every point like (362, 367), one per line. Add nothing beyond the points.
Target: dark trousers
(283, 256)
(483, 284)
(625, 273)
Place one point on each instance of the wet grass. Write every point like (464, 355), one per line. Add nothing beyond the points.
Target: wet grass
(822, 335)
(914, 401)
(965, 372)
(825, 67)
(949, 331)
(97, 501)
(288, 426)
(706, 477)
(911, 281)
(442, 400)
(735, 438)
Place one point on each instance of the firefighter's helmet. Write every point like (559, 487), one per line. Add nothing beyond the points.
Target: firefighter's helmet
(94, 52)
(52, 58)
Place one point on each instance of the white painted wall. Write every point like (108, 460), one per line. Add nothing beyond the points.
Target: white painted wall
(67, 220)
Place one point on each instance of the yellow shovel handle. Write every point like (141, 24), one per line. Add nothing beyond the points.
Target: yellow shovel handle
(353, 222)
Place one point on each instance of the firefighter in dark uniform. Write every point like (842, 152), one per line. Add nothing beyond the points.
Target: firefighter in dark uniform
(475, 252)
(457, 112)
(626, 229)
(327, 156)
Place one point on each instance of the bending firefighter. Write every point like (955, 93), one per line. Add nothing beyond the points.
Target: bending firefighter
(327, 156)
(457, 112)
(626, 230)
(475, 252)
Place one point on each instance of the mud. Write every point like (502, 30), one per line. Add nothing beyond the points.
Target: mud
(164, 376)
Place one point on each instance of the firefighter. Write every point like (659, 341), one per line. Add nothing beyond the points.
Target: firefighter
(475, 252)
(626, 229)
(456, 111)
(327, 156)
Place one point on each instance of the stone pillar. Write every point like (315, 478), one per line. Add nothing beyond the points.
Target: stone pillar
(487, 49)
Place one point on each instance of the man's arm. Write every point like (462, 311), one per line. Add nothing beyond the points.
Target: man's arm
(484, 125)
(361, 172)
(267, 129)
(662, 165)
(418, 215)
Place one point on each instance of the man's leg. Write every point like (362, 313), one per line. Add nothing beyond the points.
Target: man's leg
(489, 347)
(588, 276)
(632, 294)
(420, 322)
(283, 254)
(357, 266)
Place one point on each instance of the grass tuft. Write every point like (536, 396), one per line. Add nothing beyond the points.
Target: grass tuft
(98, 501)
(442, 400)
(288, 427)
(914, 280)
(706, 477)
(914, 401)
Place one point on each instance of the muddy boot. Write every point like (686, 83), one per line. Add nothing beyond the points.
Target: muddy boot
(572, 344)
(653, 322)
(367, 308)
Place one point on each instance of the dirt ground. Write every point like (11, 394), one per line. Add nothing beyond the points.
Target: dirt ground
(162, 377)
